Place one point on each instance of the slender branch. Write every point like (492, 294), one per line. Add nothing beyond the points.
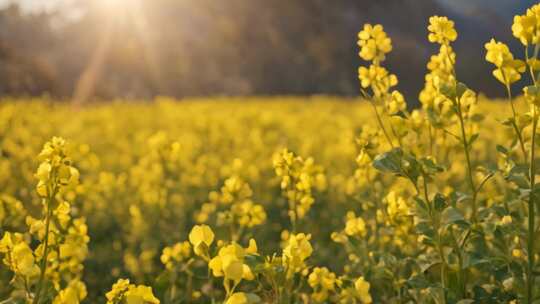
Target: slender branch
(379, 120)
(381, 125)
(483, 182)
(430, 140)
(532, 215)
(466, 147)
(43, 265)
(440, 249)
(514, 120)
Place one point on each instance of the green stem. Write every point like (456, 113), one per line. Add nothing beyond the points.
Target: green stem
(514, 124)
(294, 215)
(426, 195)
(400, 144)
(381, 125)
(430, 140)
(172, 294)
(43, 265)
(532, 215)
(530, 68)
(209, 278)
(461, 278)
(439, 239)
(468, 158)
(465, 142)
(443, 265)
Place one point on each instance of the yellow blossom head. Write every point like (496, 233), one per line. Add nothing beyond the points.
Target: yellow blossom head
(362, 288)
(526, 27)
(441, 30)
(297, 250)
(201, 237)
(355, 226)
(243, 298)
(508, 69)
(374, 43)
(124, 292)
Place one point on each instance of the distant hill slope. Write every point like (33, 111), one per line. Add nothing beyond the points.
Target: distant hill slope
(249, 47)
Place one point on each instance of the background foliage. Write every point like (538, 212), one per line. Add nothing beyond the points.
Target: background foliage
(236, 47)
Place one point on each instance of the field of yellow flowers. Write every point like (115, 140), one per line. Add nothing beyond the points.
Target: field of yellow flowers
(282, 200)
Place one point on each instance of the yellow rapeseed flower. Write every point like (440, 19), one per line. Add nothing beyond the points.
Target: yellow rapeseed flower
(73, 294)
(374, 43)
(526, 27)
(355, 226)
(362, 289)
(508, 69)
(243, 298)
(297, 250)
(441, 30)
(322, 281)
(201, 237)
(175, 254)
(19, 257)
(140, 295)
(229, 263)
(377, 78)
(396, 205)
(123, 292)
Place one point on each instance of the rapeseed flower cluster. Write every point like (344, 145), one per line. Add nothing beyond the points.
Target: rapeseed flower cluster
(323, 283)
(233, 207)
(124, 292)
(526, 27)
(57, 260)
(508, 70)
(374, 43)
(298, 177)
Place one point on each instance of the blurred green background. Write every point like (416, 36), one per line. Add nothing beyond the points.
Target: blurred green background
(139, 49)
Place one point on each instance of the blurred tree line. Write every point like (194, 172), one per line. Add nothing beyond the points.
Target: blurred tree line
(143, 48)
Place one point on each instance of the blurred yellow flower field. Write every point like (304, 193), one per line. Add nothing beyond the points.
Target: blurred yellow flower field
(149, 172)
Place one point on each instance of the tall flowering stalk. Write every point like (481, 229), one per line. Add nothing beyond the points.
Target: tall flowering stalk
(52, 271)
(526, 28)
(299, 177)
(55, 174)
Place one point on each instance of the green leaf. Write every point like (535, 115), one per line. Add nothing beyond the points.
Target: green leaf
(448, 91)
(421, 206)
(477, 117)
(474, 259)
(397, 162)
(518, 174)
(509, 122)
(437, 294)
(429, 166)
(434, 119)
(461, 88)
(255, 262)
(418, 282)
(472, 139)
(531, 90)
(536, 190)
(480, 294)
(424, 228)
(452, 216)
(427, 265)
(439, 202)
(502, 149)
(459, 197)
(400, 114)
(389, 161)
